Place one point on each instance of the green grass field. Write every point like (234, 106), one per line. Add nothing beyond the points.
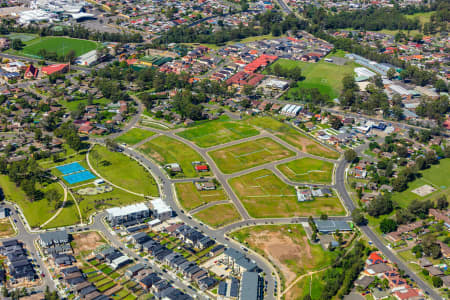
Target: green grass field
(60, 45)
(423, 17)
(264, 195)
(249, 154)
(294, 137)
(68, 216)
(36, 212)
(437, 176)
(218, 132)
(73, 105)
(166, 150)
(288, 248)
(218, 215)
(90, 204)
(134, 136)
(308, 170)
(326, 77)
(124, 171)
(190, 198)
(24, 37)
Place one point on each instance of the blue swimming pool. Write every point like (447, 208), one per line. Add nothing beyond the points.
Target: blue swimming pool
(70, 168)
(79, 177)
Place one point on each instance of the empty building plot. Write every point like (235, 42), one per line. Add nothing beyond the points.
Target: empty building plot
(249, 154)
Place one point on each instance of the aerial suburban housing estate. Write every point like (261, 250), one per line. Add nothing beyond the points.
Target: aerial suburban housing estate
(224, 150)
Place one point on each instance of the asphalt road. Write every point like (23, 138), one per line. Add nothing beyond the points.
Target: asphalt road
(340, 186)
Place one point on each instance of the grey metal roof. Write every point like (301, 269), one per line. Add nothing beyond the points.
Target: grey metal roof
(249, 286)
(331, 226)
(54, 236)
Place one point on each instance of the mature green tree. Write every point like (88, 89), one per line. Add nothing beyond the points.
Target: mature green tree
(350, 155)
(388, 225)
(358, 217)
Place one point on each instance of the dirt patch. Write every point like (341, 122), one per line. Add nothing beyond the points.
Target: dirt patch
(87, 241)
(6, 228)
(283, 251)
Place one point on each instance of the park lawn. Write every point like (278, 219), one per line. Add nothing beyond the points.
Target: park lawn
(124, 171)
(24, 37)
(326, 77)
(190, 198)
(264, 195)
(60, 45)
(218, 215)
(93, 203)
(218, 132)
(294, 137)
(424, 17)
(288, 247)
(254, 39)
(165, 150)
(67, 156)
(74, 104)
(249, 154)
(134, 136)
(36, 212)
(67, 217)
(308, 170)
(437, 176)
(152, 124)
(210, 46)
(6, 228)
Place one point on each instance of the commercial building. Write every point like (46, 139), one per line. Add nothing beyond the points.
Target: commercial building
(87, 59)
(160, 209)
(120, 215)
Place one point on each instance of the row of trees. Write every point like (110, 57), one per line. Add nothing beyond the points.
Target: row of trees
(77, 31)
(373, 18)
(270, 22)
(339, 279)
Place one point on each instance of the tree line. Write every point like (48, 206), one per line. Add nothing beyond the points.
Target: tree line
(373, 19)
(76, 31)
(270, 22)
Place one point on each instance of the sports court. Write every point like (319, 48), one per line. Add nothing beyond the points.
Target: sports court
(70, 168)
(79, 177)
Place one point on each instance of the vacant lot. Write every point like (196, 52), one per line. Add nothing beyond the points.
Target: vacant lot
(294, 137)
(166, 150)
(437, 176)
(36, 212)
(287, 246)
(218, 215)
(190, 198)
(123, 171)
(6, 228)
(326, 77)
(60, 45)
(264, 195)
(134, 136)
(218, 132)
(86, 241)
(308, 170)
(249, 154)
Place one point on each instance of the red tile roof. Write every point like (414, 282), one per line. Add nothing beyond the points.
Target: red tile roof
(54, 68)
